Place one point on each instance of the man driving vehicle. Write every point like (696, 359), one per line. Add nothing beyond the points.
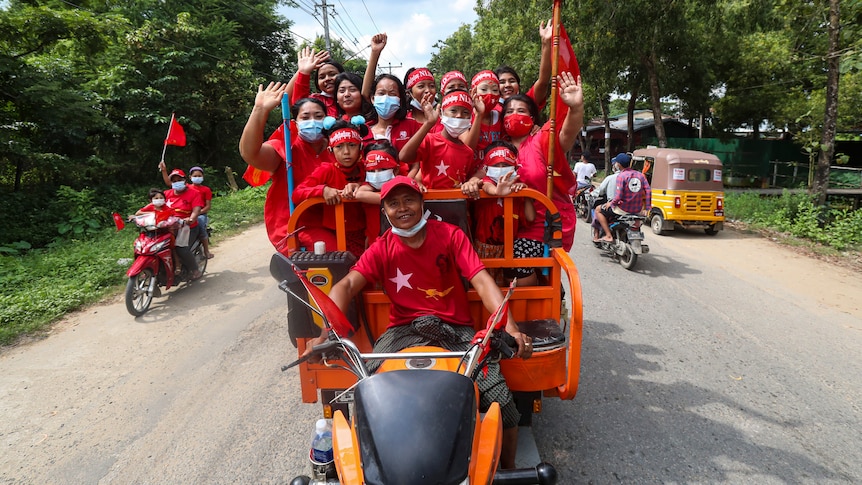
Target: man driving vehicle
(632, 195)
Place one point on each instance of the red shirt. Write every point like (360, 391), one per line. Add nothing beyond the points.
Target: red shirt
(183, 203)
(426, 280)
(206, 192)
(532, 170)
(488, 218)
(276, 209)
(491, 132)
(445, 164)
(161, 214)
(331, 175)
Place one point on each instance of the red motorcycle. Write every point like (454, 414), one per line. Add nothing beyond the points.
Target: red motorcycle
(154, 265)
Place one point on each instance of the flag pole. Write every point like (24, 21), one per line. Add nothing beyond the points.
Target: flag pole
(165, 145)
(555, 67)
(288, 156)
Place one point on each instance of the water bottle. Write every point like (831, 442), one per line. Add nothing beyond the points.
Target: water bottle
(321, 443)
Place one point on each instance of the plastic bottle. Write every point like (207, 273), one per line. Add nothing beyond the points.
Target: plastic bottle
(321, 443)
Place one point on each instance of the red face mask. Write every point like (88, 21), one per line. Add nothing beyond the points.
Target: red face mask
(490, 100)
(518, 124)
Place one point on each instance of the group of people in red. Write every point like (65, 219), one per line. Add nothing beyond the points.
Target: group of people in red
(356, 133)
(184, 203)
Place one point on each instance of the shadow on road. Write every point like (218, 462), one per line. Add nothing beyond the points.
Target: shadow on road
(628, 426)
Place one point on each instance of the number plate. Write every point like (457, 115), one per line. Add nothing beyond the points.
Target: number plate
(635, 235)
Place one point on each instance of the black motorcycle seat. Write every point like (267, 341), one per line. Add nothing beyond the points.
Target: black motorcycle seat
(546, 334)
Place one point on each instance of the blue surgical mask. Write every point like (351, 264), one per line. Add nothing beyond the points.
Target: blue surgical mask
(408, 232)
(387, 106)
(416, 104)
(377, 179)
(197, 180)
(179, 186)
(496, 173)
(310, 130)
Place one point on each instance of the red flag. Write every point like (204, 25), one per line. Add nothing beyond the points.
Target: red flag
(337, 320)
(118, 221)
(176, 134)
(255, 176)
(568, 62)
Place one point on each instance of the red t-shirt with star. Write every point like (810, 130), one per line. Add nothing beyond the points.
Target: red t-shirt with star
(445, 164)
(183, 203)
(425, 280)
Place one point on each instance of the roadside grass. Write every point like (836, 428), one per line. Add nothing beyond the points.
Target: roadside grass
(41, 285)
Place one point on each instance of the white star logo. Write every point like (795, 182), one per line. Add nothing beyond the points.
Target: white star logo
(401, 280)
(442, 168)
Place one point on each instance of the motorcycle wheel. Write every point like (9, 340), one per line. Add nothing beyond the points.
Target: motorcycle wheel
(581, 208)
(200, 257)
(138, 297)
(628, 258)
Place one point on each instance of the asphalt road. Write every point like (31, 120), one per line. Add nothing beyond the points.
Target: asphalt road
(710, 363)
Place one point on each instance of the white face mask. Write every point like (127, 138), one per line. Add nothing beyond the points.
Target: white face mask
(377, 179)
(179, 185)
(158, 202)
(408, 232)
(496, 173)
(455, 126)
(197, 180)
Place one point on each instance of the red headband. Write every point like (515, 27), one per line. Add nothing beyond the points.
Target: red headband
(417, 76)
(483, 76)
(344, 135)
(457, 98)
(500, 155)
(451, 76)
(379, 160)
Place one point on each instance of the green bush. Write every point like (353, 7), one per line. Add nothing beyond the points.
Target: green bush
(41, 285)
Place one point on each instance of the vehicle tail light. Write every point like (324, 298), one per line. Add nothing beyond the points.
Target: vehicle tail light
(677, 203)
(719, 203)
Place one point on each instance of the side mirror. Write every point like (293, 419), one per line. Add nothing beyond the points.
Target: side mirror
(282, 269)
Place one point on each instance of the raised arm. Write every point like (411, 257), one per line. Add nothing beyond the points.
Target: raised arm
(378, 42)
(251, 146)
(408, 151)
(573, 96)
(307, 61)
(542, 86)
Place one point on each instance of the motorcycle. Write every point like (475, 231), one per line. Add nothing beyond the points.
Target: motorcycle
(582, 203)
(628, 240)
(154, 265)
(415, 420)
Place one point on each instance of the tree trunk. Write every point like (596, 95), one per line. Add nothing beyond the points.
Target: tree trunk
(650, 65)
(605, 102)
(827, 141)
(630, 146)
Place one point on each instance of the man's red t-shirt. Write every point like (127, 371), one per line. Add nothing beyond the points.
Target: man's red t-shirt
(445, 164)
(426, 280)
(183, 203)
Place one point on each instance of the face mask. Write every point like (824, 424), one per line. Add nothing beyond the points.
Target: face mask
(387, 106)
(197, 180)
(418, 105)
(178, 186)
(310, 130)
(490, 100)
(158, 202)
(408, 232)
(455, 126)
(377, 179)
(496, 173)
(518, 124)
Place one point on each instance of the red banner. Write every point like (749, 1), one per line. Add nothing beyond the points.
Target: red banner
(176, 134)
(118, 221)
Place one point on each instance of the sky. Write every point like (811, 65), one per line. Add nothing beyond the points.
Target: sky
(412, 26)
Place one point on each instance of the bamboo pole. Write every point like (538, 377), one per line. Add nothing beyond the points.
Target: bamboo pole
(555, 67)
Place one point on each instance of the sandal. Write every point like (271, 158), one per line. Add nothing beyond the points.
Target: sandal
(197, 275)
(210, 256)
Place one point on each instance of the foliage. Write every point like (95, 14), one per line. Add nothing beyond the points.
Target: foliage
(797, 215)
(42, 285)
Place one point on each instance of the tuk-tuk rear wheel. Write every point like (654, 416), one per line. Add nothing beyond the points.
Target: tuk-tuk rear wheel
(657, 223)
(711, 230)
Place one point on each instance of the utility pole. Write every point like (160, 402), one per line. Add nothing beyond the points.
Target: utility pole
(323, 5)
(390, 67)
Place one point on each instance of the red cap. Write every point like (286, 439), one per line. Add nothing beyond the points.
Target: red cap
(399, 181)
(177, 171)
(500, 155)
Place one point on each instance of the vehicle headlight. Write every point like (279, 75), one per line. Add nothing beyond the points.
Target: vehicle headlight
(139, 246)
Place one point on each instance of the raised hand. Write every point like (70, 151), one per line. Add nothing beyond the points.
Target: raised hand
(308, 60)
(270, 97)
(378, 42)
(546, 32)
(431, 113)
(570, 90)
(509, 183)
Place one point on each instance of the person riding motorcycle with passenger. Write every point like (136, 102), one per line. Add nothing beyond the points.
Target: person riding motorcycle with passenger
(606, 191)
(632, 195)
(187, 203)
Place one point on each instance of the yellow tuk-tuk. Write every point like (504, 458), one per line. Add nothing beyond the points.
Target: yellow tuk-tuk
(687, 188)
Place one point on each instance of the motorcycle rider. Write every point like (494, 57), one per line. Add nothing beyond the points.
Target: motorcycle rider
(606, 191)
(632, 195)
(187, 203)
(420, 264)
(584, 169)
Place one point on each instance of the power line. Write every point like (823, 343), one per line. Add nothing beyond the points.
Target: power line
(370, 16)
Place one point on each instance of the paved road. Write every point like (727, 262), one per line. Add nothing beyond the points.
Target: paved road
(711, 363)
